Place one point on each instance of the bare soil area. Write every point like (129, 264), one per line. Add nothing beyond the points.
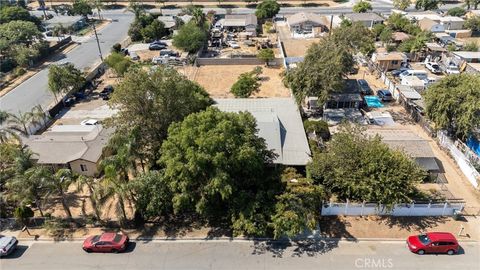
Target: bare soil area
(218, 80)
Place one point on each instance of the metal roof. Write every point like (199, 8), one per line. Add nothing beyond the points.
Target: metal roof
(369, 16)
(278, 122)
(303, 17)
(239, 20)
(467, 55)
(408, 92)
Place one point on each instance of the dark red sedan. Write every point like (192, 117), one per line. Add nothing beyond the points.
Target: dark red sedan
(106, 242)
(434, 242)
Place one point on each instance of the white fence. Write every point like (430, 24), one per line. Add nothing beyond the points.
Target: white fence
(400, 210)
(460, 158)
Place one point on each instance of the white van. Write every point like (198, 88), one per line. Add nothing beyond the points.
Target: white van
(421, 74)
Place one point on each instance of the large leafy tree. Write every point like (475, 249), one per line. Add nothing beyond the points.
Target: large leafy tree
(359, 168)
(401, 4)
(149, 102)
(190, 37)
(15, 13)
(19, 32)
(356, 37)
(428, 4)
(473, 23)
(82, 8)
(154, 30)
(362, 7)
(64, 78)
(154, 197)
(215, 166)
(453, 103)
(118, 62)
(322, 72)
(267, 9)
(399, 22)
(246, 85)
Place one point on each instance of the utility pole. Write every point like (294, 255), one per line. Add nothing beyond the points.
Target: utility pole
(98, 42)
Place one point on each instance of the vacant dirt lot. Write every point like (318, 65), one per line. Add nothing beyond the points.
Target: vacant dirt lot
(218, 80)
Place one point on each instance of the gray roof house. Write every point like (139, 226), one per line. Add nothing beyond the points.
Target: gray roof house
(279, 123)
(73, 146)
(368, 19)
(73, 22)
(305, 21)
(247, 22)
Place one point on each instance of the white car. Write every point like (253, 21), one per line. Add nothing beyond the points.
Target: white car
(7, 245)
(433, 67)
(234, 45)
(452, 70)
(89, 122)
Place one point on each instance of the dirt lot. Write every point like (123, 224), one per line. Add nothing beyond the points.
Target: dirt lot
(218, 80)
(293, 47)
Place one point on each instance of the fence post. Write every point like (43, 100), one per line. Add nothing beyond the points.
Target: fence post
(363, 207)
(346, 208)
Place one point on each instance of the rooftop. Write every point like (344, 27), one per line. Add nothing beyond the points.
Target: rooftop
(279, 123)
(303, 17)
(64, 20)
(408, 92)
(369, 16)
(240, 20)
(64, 144)
(467, 55)
(391, 56)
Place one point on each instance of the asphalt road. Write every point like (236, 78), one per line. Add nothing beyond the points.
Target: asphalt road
(239, 255)
(35, 90)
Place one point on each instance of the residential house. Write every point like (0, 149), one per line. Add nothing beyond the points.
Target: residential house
(173, 22)
(452, 22)
(279, 123)
(389, 61)
(76, 147)
(73, 23)
(433, 26)
(468, 57)
(411, 144)
(305, 22)
(368, 19)
(244, 22)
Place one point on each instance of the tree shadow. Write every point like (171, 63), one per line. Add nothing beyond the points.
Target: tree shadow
(219, 232)
(251, 6)
(227, 6)
(314, 5)
(335, 227)
(148, 6)
(17, 253)
(173, 6)
(401, 118)
(413, 224)
(309, 247)
(114, 6)
(130, 248)
(286, 5)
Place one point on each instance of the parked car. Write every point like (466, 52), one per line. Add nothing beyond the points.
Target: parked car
(156, 46)
(168, 53)
(124, 51)
(233, 45)
(364, 87)
(452, 69)
(89, 122)
(105, 93)
(434, 242)
(69, 101)
(384, 95)
(106, 242)
(134, 56)
(163, 43)
(7, 245)
(433, 67)
(397, 72)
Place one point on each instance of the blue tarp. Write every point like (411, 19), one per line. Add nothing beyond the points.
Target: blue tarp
(474, 144)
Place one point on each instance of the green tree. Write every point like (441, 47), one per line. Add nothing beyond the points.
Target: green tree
(415, 44)
(401, 4)
(149, 102)
(473, 23)
(20, 122)
(355, 37)
(6, 133)
(215, 166)
(19, 32)
(362, 7)
(82, 8)
(360, 168)
(190, 37)
(24, 56)
(93, 187)
(377, 29)
(267, 9)
(118, 62)
(13, 13)
(398, 22)
(453, 103)
(266, 55)
(471, 47)
(154, 30)
(154, 198)
(428, 4)
(322, 72)
(386, 37)
(297, 209)
(64, 78)
(246, 85)
(98, 4)
(456, 11)
(23, 214)
(59, 183)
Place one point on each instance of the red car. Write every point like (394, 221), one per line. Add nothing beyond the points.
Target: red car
(106, 242)
(435, 242)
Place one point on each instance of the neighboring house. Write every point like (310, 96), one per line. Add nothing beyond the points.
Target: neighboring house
(71, 146)
(389, 61)
(473, 68)
(368, 19)
(452, 22)
(417, 16)
(172, 22)
(279, 123)
(410, 143)
(70, 22)
(246, 22)
(427, 24)
(305, 22)
(469, 57)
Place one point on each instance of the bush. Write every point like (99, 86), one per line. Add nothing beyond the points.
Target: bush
(319, 127)
(116, 47)
(19, 71)
(7, 65)
(246, 85)
(118, 62)
(22, 214)
(456, 11)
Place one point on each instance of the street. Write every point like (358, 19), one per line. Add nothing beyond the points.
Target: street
(35, 90)
(239, 255)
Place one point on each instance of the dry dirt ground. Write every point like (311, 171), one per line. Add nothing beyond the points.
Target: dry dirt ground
(294, 47)
(218, 80)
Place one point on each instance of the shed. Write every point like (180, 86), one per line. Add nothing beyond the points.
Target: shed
(413, 82)
(389, 61)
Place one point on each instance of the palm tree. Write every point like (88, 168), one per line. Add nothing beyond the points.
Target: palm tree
(94, 193)
(39, 115)
(98, 4)
(20, 122)
(113, 188)
(6, 133)
(59, 183)
(198, 16)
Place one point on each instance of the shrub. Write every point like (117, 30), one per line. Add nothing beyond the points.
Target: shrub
(116, 47)
(319, 127)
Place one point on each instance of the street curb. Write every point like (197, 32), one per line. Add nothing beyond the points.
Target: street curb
(237, 239)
